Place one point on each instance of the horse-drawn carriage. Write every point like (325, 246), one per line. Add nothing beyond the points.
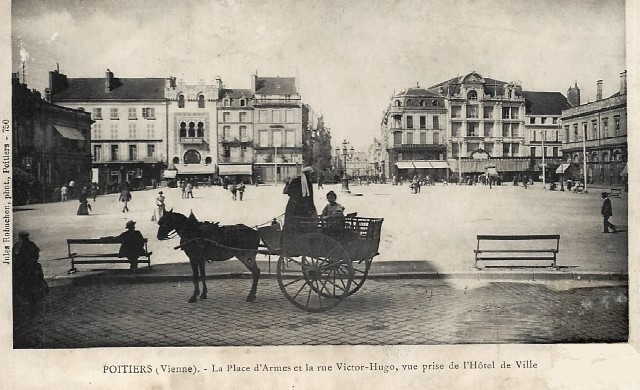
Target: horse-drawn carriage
(320, 262)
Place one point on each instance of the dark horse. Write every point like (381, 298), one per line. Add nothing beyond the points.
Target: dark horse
(206, 241)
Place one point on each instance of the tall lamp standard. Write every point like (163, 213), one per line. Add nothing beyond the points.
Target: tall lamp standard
(346, 153)
(544, 177)
(584, 156)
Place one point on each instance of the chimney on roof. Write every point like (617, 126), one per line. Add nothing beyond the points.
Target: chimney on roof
(108, 81)
(47, 94)
(218, 82)
(573, 95)
(599, 90)
(623, 83)
(254, 82)
(441, 90)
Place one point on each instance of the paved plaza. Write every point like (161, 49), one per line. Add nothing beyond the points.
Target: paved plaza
(437, 227)
(390, 311)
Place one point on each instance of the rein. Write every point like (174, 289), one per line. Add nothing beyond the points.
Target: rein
(217, 244)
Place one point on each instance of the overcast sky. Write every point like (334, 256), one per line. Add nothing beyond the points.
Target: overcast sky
(349, 56)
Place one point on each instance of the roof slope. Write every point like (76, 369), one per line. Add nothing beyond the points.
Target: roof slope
(452, 86)
(545, 103)
(276, 86)
(88, 89)
(236, 93)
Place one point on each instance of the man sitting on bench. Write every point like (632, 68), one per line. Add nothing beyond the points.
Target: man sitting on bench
(132, 244)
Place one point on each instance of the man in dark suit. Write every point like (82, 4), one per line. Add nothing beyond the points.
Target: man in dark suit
(131, 244)
(607, 213)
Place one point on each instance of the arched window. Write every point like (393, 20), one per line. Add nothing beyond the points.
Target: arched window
(616, 156)
(421, 104)
(605, 156)
(472, 95)
(226, 102)
(181, 101)
(200, 131)
(192, 129)
(595, 157)
(434, 103)
(397, 103)
(409, 103)
(192, 157)
(201, 101)
(207, 160)
(183, 129)
(176, 160)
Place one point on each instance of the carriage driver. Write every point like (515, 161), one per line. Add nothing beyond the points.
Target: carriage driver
(131, 244)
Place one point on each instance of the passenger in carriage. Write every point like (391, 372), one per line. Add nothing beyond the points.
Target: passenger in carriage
(333, 210)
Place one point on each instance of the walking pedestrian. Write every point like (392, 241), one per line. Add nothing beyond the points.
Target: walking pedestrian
(241, 188)
(160, 206)
(183, 187)
(234, 190)
(63, 193)
(94, 191)
(84, 207)
(131, 244)
(607, 213)
(189, 190)
(125, 197)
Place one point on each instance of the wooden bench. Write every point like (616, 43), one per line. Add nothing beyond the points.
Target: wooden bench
(530, 248)
(615, 192)
(110, 257)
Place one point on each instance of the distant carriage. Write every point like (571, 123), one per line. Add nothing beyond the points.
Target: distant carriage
(320, 262)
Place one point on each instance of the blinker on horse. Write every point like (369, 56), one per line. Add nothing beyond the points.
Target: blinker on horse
(206, 241)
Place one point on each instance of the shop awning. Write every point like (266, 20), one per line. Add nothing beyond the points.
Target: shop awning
(69, 133)
(624, 172)
(196, 169)
(405, 165)
(562, 168)
(422, 165)
(169, 174)
(439, 164)
(235, 169)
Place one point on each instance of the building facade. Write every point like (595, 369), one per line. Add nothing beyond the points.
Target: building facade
(236, 153)
(316, 143)
(598, 130)
(192, 140)
(51, 146)
(129, 133)
(543, 131)
(414, 130)
(277, 126)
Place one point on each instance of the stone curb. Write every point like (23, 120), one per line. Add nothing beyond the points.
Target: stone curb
(101, 278)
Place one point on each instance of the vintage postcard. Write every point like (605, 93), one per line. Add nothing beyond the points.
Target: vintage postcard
(300, 195)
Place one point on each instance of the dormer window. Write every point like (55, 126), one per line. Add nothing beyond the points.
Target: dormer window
(243, 102)
(226, 102)
(397, 103)
(421, 104)
(201, 101)
(434, 103)
(409, 102)
(180, 101)
(472, 95)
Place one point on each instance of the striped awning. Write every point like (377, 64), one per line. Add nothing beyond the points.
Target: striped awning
(422, 165)
(562, 168)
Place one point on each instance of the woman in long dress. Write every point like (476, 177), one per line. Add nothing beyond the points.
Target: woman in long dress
(300, 204)
(84, 207)
(160, 207)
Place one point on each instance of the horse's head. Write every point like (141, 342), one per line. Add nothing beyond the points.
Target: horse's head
(169, 223)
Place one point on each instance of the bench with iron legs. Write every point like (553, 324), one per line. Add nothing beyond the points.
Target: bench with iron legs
(515, 249)
(95, 257)
(615, 192)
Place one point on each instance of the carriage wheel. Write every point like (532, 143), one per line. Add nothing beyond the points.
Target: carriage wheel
(360, 272)
(320, 274)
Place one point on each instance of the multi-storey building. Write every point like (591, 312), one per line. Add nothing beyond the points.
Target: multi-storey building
(316, 142)
(543, 133)
(599, 130)
(235, 135)
(192, 142)
(277, 126)
(485, 121)
(129, 133)
(414, 129)
(51, 146)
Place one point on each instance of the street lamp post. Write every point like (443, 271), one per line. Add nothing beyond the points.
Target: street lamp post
(346, 153)
(584, 156)
(459, 162)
